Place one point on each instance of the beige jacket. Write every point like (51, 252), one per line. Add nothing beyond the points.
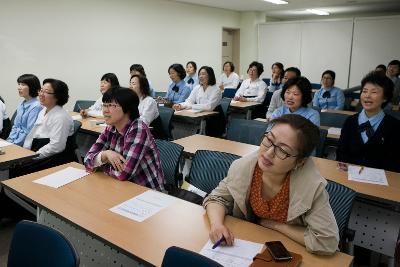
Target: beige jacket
(308, 202)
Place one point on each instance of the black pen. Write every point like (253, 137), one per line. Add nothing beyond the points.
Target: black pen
(222, 239)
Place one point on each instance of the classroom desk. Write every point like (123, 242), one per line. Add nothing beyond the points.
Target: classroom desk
(195, 142)
(346, 112)
(89, 125)
(245, 106)
(85, 205)
(198, 118)
(376, 212)
(13, 155)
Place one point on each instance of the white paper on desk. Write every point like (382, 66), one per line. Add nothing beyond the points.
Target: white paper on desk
(368, 175)
(335, 131)
(4, 143)
(240, 254)
(234, 101)
(77, 117)
(143, 206)
(195, 110)
(103, 124)
(62, 177)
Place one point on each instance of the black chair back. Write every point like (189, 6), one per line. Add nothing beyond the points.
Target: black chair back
(170, 155)
(246, 131)
(166, 117)
(333, 119)
(82, 104)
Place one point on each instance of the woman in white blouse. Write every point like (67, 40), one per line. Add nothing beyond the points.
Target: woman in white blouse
(107, 81)
(229, 79)
(206, 96)
(253, 89)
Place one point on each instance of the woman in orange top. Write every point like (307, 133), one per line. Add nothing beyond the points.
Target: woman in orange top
(279, 188)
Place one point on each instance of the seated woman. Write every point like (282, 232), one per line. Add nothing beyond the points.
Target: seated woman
(206, 96)
(278, 187)
(370, 138)
(191, 79)
(296, 94)
(229, 79)
(276, 77)
(328, 97)
(253, 89)
(178, 90)
(28, 110)
(138, 69)
(107, 81)
(126, 150)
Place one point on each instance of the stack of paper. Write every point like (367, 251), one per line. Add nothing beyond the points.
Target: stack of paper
(367, 175)
(62, 177)
(4, 143)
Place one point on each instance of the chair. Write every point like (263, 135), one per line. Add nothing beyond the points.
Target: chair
(160, 94)
(13, 118)
(35, 245)
(229, 92)
(166, 117)
(175, 256)
(315, 85)
(5, 132)
(267, 81)
(170, 155)
(261, 110)
(319, 152)
(341, 200)
(82, 104)
(225, 103)
(333, 119)
(246, 131)
(209, 168)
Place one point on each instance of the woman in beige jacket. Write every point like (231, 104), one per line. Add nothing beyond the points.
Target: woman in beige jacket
(290, 196)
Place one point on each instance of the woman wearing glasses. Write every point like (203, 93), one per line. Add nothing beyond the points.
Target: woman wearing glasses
(126, 150)
(329, 96)
(278, 187)
(252, 89)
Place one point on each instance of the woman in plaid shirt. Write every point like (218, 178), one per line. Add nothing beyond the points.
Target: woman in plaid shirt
(126, 150)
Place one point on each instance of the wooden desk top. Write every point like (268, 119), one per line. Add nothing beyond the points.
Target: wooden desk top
(13, 154)
(89, 123)
(86, 203)
(331, 136)
(196, 142)
(198, 115)
(243, 105)
(346, 112)
(328, 169)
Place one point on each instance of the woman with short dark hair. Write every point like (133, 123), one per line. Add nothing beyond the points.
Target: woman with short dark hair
(229, 78)
(28, 110)
(126, 150)
(329, 96)
(296, 94)
(253, 89)
(278, 187)
(276, 77)
(191, 79)
(371, 137)
(178, 90)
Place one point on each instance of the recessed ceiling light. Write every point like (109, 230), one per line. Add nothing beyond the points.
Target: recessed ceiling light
(318, 12)
(277, 2)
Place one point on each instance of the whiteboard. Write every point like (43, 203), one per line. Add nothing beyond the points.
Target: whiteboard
(376, 41)
(313, 46)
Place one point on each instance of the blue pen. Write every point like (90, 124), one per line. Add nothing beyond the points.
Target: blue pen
(222, 239)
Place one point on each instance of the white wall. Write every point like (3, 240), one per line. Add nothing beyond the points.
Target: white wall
(78, 41)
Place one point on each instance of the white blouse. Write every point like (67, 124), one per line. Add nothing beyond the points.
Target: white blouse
(56, 125)
(96, 110)
(3, 114)
(229, 82)
(205, 100)
(254, 91)
(148, 110)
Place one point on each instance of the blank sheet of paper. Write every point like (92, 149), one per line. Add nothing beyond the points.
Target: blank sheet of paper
(62, 177)
(143, 206)
(4, 143)
(240, 254)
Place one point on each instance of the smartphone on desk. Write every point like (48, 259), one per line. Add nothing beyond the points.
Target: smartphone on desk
(278, 251)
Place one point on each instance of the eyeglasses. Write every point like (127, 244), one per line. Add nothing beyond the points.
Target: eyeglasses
(42, 91)
(278, 150)
(110, 105)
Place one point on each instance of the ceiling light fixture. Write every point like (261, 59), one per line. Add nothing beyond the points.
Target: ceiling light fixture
(318, 12)
(277, 2)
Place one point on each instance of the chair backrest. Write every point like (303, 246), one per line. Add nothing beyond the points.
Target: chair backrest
(35, 245)
(246, 131)
(267, 81)
(5, 132)
(229, 92)
(175, 256)
(82, 104)
(333, 119)
(13, 118)
(341, 200)
(209, 168)
(319, 152)
(170, 154)
(315, 85)
(225, 103)
(166, 117)
(160, 94)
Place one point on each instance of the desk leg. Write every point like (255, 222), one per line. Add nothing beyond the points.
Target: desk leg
(203, 127)
(248, 114)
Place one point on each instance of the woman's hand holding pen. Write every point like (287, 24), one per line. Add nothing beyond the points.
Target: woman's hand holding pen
(83, 113)
(219, 231)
